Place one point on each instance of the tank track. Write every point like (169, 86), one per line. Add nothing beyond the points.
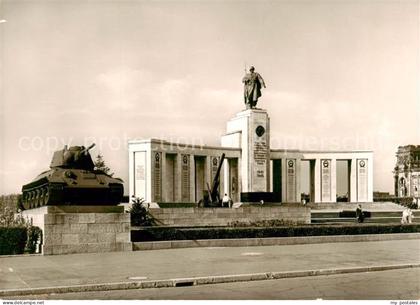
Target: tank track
(36, 197)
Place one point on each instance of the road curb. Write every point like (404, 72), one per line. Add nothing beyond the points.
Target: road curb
(269, 241)
(195, 281)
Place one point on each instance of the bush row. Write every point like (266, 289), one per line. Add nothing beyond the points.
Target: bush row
(406, 201)
(18, 240)
(13, 240)
(168, 233)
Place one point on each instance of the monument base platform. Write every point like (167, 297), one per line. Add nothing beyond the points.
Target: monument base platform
(193, 217)
(81, 229)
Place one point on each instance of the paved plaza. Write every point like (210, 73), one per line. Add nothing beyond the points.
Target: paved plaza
(25, 272)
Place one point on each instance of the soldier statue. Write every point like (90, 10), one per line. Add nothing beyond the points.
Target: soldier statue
(252, 88)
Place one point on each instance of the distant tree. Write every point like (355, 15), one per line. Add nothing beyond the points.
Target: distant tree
(101, 165)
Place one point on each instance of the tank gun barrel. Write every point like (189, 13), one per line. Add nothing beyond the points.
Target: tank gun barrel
(85, 150)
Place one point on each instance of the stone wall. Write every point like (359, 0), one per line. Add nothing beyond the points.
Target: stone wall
(223, 216)
(70, 229)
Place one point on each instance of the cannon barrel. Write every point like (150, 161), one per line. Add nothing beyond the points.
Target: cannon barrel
(214, 193)
(85, 150)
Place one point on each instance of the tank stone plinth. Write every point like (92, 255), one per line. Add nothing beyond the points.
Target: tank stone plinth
(81, 229)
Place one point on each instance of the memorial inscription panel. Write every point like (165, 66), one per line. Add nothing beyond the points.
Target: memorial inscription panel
(291, 180)
(362, 180)
(157, 176)
(140, 174)
(325, 180)
(259, 156)
(185, 178)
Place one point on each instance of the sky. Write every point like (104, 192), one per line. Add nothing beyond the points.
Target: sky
(340, 75)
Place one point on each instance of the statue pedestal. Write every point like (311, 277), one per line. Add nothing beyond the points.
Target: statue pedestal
(82, 229)
(250, 131)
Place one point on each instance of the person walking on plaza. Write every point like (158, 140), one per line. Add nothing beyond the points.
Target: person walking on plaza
(226, 200)
(359, 214)
(407, 216)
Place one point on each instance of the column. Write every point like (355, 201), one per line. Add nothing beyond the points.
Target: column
(192, 179)
(149, 177)
(164, 188)
(291, 179)
(317, 181)
(271, 175)
(353, 181)
(131, 173)
(370, 179)
(333, 180)
(226, 178)
(283, 180)
(178, 178)
(298, 182)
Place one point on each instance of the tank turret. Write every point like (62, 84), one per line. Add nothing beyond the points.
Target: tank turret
(72, 180)
(73, 157)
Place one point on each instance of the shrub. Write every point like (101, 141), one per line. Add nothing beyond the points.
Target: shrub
(139, 213)
(406, 202)
(352, 214)
(34, 237)
(263, 223)
(170, 233)
(12, 240)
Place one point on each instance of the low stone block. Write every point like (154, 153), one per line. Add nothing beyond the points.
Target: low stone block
(122, 237)
(52, 239)
(47, 249)
(125, 227)
(97, 228)
(164, 283)
(70, 238)
(79, 248)
(58, 249)
(88, 238)
(106, 238)
(87, 218)
(100, 247)
(124, 246)
(162, 245)
(61, 228)
(124, 218)
(142, 246)
(59, 218)
(71, 218)
(78, 228)
(49, 219)
(106, 218)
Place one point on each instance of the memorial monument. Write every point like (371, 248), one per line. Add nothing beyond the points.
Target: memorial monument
(160, 171)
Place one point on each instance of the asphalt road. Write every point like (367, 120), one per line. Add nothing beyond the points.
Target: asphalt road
(381, 285)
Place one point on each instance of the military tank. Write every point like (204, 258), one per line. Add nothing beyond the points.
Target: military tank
(72, 180)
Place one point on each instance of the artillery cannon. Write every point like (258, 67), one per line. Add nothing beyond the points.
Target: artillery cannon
(72, 180)
(211, 196)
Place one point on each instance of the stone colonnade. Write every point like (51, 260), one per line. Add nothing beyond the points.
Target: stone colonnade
(160, 171)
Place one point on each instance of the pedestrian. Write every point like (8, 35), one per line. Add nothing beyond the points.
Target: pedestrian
(226, 200)
(359, 214)
(414, 203)
(407, 216)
